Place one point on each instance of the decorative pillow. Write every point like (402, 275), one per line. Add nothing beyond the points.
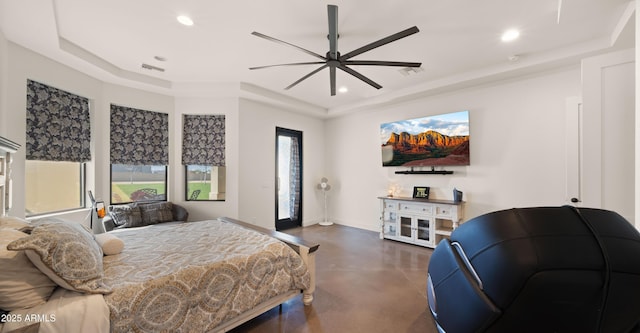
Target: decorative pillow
(12, 222)
(179, 213)
(156, 212)
(67, 253)
(22, 285)
(126, 216)
(109, 243)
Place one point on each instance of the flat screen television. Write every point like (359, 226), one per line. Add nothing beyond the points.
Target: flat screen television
(440, 140)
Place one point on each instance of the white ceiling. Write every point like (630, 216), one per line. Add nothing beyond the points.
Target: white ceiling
(458, 43)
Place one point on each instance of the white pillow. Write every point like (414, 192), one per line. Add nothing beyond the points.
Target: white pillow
(109, 243)
(22, 285)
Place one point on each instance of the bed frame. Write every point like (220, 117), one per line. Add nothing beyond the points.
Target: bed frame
(307, 252)
(7, 147)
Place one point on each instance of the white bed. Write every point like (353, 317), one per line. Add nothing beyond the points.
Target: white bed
(126, 289)
(197, 276)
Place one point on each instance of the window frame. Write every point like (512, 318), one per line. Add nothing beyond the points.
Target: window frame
(83, 189)
(166, 187)
(186, 184)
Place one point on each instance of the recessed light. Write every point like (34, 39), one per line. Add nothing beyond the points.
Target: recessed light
(510, 35)
(186, 20)
(343, 90)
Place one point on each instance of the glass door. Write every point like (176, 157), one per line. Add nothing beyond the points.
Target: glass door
(390, 223)
(405, 226)
(423, 230)
(288, 178)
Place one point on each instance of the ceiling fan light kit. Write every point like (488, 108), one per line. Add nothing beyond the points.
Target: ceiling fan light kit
(334, 60)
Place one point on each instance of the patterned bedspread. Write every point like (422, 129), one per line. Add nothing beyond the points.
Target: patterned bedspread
(190, 277)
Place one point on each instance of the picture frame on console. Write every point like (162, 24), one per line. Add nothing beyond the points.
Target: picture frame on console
(421, 192)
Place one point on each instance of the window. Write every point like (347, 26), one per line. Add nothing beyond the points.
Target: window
(131, 183)
(139, 155)
(53, 186)
(205, 182)
(203, 155)
(58, 136)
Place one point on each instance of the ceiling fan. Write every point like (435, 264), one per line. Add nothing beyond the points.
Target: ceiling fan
(334, 60)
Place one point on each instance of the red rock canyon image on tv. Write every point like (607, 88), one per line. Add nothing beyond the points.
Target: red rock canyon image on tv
(440, 140)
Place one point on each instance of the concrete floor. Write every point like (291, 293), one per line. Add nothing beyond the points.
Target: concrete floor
(364, 284)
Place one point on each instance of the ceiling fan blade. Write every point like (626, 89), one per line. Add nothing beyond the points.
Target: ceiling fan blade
(382, 63)
(291, 64)
(255, 33)
(380, 42)
(332, 79)
(333, 31)
(306, 76)
(360, 76)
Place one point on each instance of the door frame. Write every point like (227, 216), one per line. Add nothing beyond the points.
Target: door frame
(282, 224)
(597, 110)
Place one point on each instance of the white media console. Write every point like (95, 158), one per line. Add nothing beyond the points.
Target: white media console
(421, 222)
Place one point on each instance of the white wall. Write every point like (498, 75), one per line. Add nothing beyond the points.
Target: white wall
(22, 65)
(258, 124)
(609, 131)
(516, 146)
(250, 138)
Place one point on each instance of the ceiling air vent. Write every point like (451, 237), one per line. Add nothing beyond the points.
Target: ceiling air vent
(152, 68)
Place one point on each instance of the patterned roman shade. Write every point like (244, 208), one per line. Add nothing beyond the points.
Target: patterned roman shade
(203, 140)
(58, 125)
(139, 137)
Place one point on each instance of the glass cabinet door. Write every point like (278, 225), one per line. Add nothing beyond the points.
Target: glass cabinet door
(405, 226)
(390, 223)
(423, 229)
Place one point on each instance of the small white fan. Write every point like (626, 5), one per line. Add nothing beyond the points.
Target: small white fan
(324, 187)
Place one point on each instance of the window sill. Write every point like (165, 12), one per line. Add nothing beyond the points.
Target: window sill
(61, 214)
